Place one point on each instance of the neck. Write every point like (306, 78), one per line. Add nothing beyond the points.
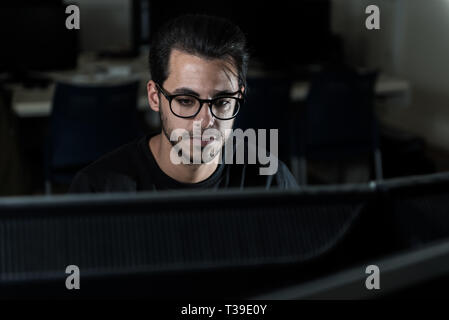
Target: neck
(185, 173)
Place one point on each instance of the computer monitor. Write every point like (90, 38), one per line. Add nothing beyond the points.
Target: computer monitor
(252, 243)
(281, 35)
(142, 22)
(35, 38)
(191, 244)
(413, 218)
(111, 29)
(416, 273)
(115, 29)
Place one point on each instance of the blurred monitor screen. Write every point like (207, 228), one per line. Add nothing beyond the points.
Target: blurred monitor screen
(34, 37)
(285, 33)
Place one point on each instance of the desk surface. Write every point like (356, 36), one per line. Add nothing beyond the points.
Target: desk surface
(37, 102)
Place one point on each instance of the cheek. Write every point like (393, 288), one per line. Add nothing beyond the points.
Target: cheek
(224, 128)
(175, 122)
(170, 120)
(224, 125)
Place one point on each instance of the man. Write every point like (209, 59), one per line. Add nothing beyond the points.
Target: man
(198, 66)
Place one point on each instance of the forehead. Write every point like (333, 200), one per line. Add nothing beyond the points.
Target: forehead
(200, 74)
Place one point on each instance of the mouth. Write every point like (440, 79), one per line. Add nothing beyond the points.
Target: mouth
(203, 142)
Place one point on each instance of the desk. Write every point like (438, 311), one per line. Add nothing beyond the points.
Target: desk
(37, 102)
(385, 87)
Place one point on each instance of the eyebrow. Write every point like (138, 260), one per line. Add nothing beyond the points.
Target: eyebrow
(185, 90)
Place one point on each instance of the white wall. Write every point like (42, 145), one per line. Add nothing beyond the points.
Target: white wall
(364, 47)
(424, 59)
(413, 43)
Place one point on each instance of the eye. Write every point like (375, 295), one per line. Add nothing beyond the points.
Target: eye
(222, 103)
(185, 101)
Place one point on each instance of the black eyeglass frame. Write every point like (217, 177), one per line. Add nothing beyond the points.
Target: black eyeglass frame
(210, 102)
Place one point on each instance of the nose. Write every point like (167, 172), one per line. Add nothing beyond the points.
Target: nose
(205, 116)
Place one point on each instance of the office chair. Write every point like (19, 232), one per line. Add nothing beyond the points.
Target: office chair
(266, 106)
(338, 121)
(86, 122)
(13, 169)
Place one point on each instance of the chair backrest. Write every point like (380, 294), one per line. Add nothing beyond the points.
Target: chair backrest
(338, 119)
(13, 171)
(89, 121)
(266, 107)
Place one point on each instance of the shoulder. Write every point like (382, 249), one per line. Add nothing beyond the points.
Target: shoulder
(260, 175)
(266, 167)
(285, 178)
(115, 171)
(260, 167)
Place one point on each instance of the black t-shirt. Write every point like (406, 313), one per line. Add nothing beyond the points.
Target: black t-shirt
(133, 168)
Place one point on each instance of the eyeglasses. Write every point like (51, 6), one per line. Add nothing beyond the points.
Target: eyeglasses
(188, 106)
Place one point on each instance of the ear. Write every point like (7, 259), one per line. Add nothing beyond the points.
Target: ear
(242, 90)
(153, 95)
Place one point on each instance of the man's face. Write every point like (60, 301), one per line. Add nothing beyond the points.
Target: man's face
(206, 79)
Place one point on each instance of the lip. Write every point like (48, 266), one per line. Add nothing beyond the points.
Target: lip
(203, 143)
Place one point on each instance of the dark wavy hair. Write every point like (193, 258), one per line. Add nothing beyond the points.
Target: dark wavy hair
(205, 36)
